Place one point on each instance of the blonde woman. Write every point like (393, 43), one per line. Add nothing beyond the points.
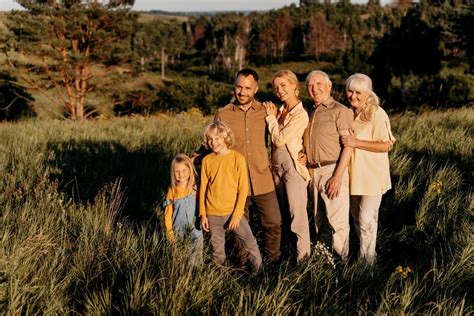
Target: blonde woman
(286, 126)
(369, 171)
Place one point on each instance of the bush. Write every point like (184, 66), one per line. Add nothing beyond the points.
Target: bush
(186, 93)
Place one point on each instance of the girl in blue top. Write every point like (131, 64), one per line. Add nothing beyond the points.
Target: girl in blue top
(181, 209)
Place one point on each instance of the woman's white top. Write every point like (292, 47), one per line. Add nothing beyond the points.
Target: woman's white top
(370, 171)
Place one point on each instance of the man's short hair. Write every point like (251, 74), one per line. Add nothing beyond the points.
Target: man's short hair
(318, 72)
(247, 72)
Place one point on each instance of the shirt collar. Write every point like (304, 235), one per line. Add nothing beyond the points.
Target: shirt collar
(256, 105)
(329, 102)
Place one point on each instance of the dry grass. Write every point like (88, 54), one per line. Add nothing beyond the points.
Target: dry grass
(80, 234)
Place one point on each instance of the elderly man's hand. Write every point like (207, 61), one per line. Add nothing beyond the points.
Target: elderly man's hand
(333, 187)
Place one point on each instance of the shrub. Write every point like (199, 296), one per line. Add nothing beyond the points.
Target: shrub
(186, 93)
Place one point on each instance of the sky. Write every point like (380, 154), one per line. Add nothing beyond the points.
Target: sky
(190, 5)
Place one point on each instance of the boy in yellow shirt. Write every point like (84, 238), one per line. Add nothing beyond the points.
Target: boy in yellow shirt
(223, 193)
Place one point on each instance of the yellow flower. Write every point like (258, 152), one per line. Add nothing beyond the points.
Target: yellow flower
(437, 186)
(403, 272)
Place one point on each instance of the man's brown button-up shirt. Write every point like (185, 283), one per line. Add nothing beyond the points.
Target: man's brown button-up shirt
(250, 132)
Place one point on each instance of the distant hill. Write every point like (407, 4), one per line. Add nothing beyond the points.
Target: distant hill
(195, 13)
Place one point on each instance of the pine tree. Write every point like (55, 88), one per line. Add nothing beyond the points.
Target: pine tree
(69, 38)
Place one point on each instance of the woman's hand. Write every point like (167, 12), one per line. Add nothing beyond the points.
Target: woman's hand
(302, 158)
(376, 146)
(349, 140)
(270, 108)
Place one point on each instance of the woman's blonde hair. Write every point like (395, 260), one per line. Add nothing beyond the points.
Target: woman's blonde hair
(290, 76)
(184, 159)
(363, 83)
(221, 129)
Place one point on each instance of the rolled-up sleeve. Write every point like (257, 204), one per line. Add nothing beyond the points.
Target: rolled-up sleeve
(344, 120)
(381, 127)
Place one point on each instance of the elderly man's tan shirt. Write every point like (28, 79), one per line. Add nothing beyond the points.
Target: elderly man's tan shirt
(249, 128)
(326, 123)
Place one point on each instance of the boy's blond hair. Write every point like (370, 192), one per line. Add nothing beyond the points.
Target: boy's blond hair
(221, 129)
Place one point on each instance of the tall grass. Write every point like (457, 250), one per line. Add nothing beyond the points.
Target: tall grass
(81, 227)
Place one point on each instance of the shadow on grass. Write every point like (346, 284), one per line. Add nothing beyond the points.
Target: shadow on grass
(82, 168)
(399, 239)
(14, 100)
(400, 214)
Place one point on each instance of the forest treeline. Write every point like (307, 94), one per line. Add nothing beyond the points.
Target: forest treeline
(84, 59)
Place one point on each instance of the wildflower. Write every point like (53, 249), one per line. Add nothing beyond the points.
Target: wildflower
(403, 272)
(436, 186)
(321, 250)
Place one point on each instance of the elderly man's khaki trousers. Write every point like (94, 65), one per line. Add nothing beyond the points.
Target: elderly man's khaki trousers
(336, 210)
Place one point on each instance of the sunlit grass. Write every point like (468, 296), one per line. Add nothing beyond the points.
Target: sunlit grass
(82, 231)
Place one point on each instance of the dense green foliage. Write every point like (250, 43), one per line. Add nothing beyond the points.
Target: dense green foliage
(418, 54)
(82, 231)
(67, 40)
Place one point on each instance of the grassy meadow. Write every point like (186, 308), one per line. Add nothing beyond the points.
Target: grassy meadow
(80, 232)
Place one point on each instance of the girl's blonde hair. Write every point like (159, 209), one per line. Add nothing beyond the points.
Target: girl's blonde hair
(221, 129)
(184, 159)
(363, 83)
(290, 76)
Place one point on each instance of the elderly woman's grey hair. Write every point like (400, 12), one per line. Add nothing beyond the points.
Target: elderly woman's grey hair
(363, 83)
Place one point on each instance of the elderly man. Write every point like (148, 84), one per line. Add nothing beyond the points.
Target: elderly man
(327, 160)
(246, 118)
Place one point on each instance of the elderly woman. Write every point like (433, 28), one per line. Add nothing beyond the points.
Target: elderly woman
(369, 171)
(286, 126)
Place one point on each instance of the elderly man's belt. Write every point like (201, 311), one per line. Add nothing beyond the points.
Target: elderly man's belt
(320, 164)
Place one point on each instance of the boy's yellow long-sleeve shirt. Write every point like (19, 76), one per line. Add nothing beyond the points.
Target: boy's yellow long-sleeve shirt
(224, 185)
